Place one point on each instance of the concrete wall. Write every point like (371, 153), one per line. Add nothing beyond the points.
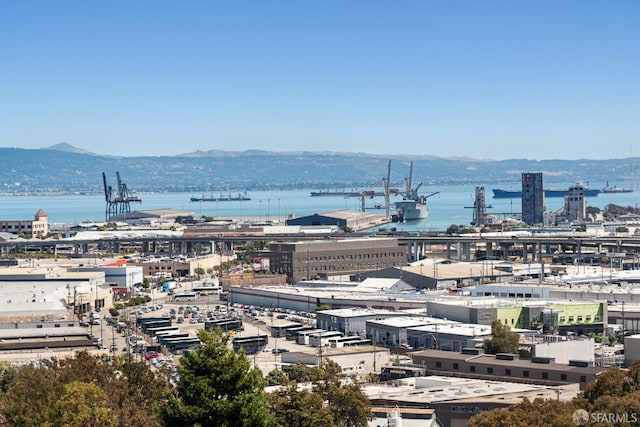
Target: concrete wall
(564, 351)
(631, 349)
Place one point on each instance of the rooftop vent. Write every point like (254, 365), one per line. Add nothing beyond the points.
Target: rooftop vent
(545, 360)
(505, 356)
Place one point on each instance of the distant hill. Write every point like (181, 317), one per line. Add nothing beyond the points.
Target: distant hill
(63, 146)
(70, 169)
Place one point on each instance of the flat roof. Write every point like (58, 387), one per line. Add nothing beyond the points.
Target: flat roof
(434, 388)
(466, 329)
(490, 359)
(454, 270)
(408, 322)
(355, 312)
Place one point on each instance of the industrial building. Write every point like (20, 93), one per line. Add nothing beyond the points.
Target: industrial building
(344, 219)
(451, 401)
(354, 360)
(37, 227)
(352, 321)
(369, 294)
(580, 317)
(327, 258)
(505, 367)
(392, 331)
(29, 294)
(443, 274)
(532, 198)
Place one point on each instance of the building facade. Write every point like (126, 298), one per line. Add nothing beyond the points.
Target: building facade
(326, 258)
(38, 227)
(532, 198)
(575, 204)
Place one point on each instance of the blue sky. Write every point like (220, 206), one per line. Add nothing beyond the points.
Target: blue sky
(482, 79)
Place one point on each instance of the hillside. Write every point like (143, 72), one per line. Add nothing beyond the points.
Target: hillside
(73, 170)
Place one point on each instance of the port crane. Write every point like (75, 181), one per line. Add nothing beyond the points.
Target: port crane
(480, 216)
(118, 202)
(386, 192)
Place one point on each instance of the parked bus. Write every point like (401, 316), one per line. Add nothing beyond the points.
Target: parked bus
(206, 289)
(185, 296)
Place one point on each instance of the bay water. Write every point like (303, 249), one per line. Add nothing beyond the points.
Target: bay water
(451, 205)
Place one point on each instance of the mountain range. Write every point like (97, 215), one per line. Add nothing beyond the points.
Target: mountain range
(65, 168)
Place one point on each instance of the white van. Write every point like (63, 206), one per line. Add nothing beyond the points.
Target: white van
(95, 318)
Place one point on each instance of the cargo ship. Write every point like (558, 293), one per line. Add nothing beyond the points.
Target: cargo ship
(328, 193)
(413, 206)
(609, 189)
(508, 194)
(241, 197)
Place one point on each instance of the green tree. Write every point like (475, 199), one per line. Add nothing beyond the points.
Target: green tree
(38, 394)
(276, 377)
(300, 408)
(332, 402)
(539, 413)
(217, 387)
(348, 403)
(612, 382)
(502, 340)
(323, 307)
(84, 404)
(302, 373)
(615, 391)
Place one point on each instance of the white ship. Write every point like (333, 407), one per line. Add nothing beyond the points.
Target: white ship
(412, 206)
(409, 210)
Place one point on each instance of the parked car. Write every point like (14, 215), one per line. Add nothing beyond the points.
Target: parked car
(151, 355)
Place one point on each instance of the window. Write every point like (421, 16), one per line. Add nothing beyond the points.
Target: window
(456, 366)
(596, 318)
(588, 318)
(489, 370)
(545, 375)
(472, 368)
(525, 374)
(583, 379)
(562, 319)
(507, 371)
(579, 318)
(571, 318)
(438, 364)
(563, 377)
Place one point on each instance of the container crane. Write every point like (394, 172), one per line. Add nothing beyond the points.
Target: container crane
(118, 203)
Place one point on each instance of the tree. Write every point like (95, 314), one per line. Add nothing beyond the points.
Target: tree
(332, 402)
(539, 412)
(302, 373)
(502, 339)
(217, 387)
(300, 408)
(73, 391)
(276, 377)
(84, 404)
(348, 403)
(612, 382)
(615, 391)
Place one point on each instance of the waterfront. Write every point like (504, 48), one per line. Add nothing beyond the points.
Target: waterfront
(450, 206)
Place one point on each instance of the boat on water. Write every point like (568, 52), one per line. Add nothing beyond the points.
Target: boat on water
(615, 189)
(222, 198)
(336, 193)
(508, 194)
(413, 206)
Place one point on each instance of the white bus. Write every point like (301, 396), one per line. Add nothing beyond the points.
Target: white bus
(185, 296)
